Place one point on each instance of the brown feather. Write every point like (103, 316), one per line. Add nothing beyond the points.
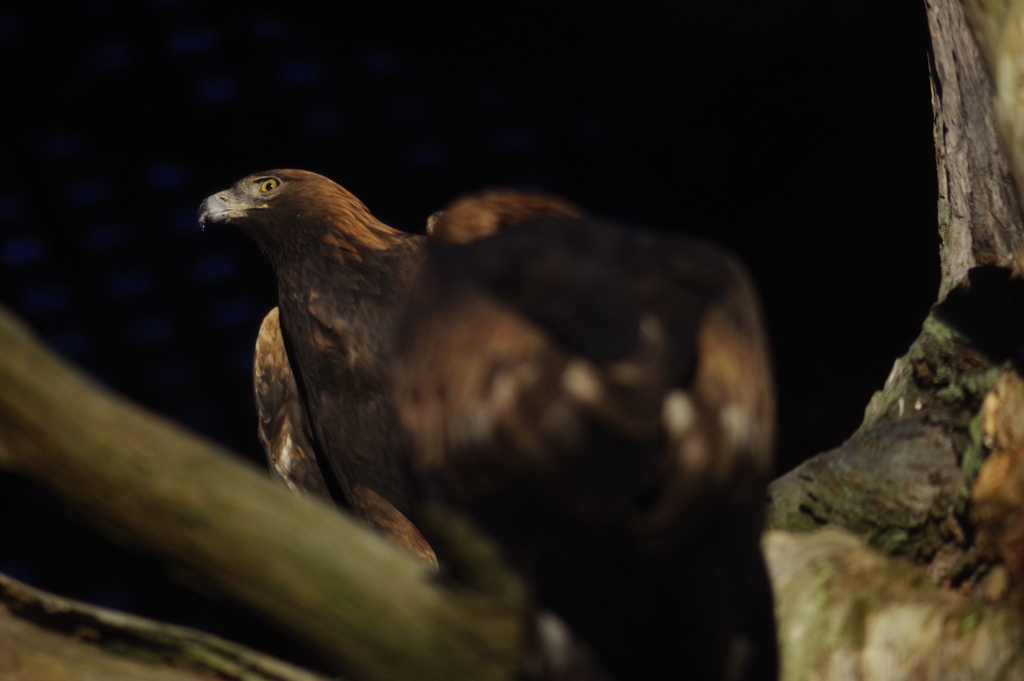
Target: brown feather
(391, 524)
(342, 275)
(601, 403)
(481, 215)
(282, 423)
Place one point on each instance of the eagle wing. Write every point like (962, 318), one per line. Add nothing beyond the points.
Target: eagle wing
(601, 402)
(283, 428)
(566, 330)
(285, 433)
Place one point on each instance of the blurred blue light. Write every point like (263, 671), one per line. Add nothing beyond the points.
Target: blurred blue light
(241, 360)
(62, 145)
(45, 298)
(12, 208)
(151, 329)
(11, 28)
(593, 130)
(173, 374)
(232, 313)
(217, 89)
(166, 175)
(300, 73)
(99, 7)
(512, 141)
(184, 221)
(88, 192)
(23, 250)
(490, 97)
(125, 285)
(107, 237)
(381, 63)
(113, 56)
(73, 343)
(426, 155)
(326, 122)
(189, 42)
(200, 415)
(267, 27)
(214, 268)
(407, 108)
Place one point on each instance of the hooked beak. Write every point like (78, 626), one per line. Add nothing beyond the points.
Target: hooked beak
(216, 209)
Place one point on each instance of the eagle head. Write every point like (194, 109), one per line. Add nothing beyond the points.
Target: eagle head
(295, 211)
(248, 195)
(283, 192)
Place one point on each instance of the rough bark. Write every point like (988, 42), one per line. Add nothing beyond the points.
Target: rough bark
(997, 497)
(998, 27)
(903, 479)
(846, 612)
(979, 213)
(375, 612)
(44, 637)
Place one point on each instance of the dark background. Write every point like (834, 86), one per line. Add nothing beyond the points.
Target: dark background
(798, 135)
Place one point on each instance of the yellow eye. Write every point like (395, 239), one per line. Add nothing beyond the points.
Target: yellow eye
(269, 185)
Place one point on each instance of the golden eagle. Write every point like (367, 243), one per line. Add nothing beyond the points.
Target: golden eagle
(600, 401)
(325, 417)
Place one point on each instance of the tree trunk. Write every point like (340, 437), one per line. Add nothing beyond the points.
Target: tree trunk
(373, 611)
(47, 638)
(846, 612)
(903, 480)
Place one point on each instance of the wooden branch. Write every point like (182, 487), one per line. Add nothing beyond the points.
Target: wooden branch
(980, 219)
(897, 489)
(920, 435)
(44, 637)
(998, 28)
(847, 613)
(997, 499)
(902, 481)
(373, 611)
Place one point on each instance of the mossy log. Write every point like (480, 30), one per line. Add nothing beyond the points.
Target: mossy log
(44, 637)
(903, 480)
(998, 28)
(847, 612)
(372, 611)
